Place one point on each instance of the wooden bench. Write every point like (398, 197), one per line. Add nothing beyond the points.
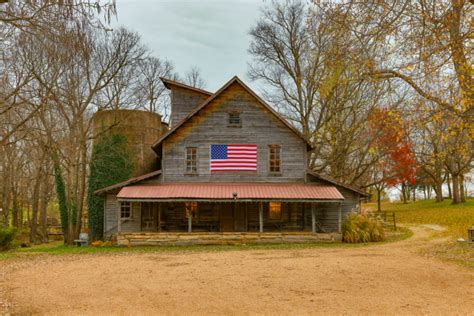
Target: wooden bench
(83, 240)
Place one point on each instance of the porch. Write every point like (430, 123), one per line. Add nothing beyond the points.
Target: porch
(226, 217)
(176, 212)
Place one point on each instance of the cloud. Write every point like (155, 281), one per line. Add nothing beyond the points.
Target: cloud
(212, 35)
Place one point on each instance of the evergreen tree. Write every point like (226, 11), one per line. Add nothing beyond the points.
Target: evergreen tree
(111, 162)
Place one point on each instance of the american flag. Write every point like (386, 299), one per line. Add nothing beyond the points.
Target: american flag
(233, 157)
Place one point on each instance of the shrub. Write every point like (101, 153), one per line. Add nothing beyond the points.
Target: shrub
(97, 243)
(359, 228)
(6, 238)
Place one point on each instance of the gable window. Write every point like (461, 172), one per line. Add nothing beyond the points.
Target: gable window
(125, 210)
(235, 119)
(275, 158)
(274, 210)
(191, 159)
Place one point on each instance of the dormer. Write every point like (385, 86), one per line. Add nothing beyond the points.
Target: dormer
(184, 99)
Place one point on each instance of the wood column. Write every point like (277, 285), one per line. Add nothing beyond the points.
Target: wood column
(190, 223)
(159, 217)
(339, 218)
(313, 217)
(119, 220)
(260, 213)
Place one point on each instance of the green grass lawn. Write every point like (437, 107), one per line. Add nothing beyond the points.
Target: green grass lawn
(58, 248)
(455, 218)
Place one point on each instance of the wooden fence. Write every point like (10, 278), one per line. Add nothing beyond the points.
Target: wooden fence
(389, 219)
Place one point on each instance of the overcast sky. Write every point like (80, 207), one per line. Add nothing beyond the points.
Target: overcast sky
(209, 34)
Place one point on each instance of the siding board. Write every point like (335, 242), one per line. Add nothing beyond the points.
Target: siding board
(259, 127)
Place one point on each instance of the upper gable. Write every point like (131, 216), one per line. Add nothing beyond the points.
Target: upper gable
(183, 102)
(210, 125)
(184, 99)
(225, 88)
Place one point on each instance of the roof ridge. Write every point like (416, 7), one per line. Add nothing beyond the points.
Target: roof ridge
(167, 82)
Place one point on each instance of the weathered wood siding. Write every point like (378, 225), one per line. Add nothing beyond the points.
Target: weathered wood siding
(259, 127)
(328, 213)
(110, 214)
(112, 207)
(183, 102)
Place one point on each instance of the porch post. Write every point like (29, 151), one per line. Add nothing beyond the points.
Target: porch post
(339, 218)
(190, 222)
(159, 217)
(119, 220)
(260, 211)
(313, 217)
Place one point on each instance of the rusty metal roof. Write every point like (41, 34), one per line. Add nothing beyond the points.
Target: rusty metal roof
(335, 182)
(128, 182)
(225, 191)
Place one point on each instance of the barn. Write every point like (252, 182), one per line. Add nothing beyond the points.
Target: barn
(230, 169)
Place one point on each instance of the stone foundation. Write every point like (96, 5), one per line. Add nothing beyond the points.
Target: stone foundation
(231, 238)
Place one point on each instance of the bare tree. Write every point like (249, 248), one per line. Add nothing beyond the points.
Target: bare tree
(313, 74)
(69, 81)
(150, 91)
(193, 77)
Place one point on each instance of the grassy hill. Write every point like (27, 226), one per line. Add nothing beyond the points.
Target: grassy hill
(455, 218)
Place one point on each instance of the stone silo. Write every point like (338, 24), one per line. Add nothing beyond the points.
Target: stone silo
(141, 129)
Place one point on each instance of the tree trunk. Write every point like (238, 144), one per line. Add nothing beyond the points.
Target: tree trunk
(461, 189)
(439, 191)
(34, 206)
(448, 183)
(404, 194)
(379, 193)
(15, 209)
(456, 195)
(43, 218)
(6, 201)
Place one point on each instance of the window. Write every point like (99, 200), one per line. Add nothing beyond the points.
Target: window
(125, 210)
(234, 119)
(274, 159)
(190, 208)
(191, 159)
(274, 210)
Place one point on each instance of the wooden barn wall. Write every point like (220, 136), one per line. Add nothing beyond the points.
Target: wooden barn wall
(112, 207)
(327, 214)
(183, 101)
(259, 127)
(110, 213)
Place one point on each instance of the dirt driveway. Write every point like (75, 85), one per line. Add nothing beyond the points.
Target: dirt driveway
(385, 279)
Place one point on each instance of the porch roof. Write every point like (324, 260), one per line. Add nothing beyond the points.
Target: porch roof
(226, 191)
